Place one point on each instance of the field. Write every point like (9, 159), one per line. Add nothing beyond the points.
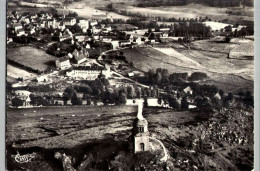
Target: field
(79, 130)
(13, 73)
(226, 73)
(87, 9)
(189, 11)
(31, 57)
(29, 9)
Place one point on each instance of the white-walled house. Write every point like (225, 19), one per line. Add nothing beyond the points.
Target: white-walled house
(63, 63)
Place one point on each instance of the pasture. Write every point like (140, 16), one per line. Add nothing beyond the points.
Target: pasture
(31, 57)
(227, 73)
(190, 11)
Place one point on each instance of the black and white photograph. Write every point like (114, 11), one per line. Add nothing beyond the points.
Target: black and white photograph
(129, 85)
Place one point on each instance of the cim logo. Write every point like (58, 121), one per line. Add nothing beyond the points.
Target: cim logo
(23, 158)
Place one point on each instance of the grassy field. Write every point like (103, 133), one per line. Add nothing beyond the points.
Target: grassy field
(189, 11)
(87, 9)
(14, 73)
(57, 127)
(80, 130)
(228, 74)
(31, 57)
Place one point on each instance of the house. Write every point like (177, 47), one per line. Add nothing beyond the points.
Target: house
(89, 72)
(95, 36)
(83, 23)
(22, 93)
(79, 37)
(96, 30)
(88, 38)
(63, 63)
(51, 23)
(69, 21)
(66, 35)
(20, 32)
(106, 39)
(164, 35)
(42, 78)
(93, 22)
(81, 56)
(138, 40)
(217, 96)
(27, 20)
(187, 91)
(130, 37)
(22, 101)
(108, 28)
(131, 74)
(17, 26)
(124, 43)
(115, 44)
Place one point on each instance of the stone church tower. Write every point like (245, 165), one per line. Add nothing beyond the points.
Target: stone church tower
(140, 133)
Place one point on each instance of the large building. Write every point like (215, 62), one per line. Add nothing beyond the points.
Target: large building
(88, 72)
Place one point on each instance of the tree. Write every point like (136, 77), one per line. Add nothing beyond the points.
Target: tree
(122, 98)
(174, 103)
(75, 100)
(249, 99)
(130, 92)
(69, 91)
(65, 98)
(145, 102)
(88, 102)
(110, 6)
(184, 103)
(228, 39)
(158, 78)
(221, 92)
(17, 102)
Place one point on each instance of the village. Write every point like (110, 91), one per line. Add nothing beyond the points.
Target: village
(73, 85)
(86, 50)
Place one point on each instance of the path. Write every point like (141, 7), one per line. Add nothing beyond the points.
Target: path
(164, 149)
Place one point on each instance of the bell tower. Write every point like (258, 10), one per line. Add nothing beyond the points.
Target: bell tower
(140, 133)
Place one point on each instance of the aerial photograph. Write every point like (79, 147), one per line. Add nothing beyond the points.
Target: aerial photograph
(129, 85)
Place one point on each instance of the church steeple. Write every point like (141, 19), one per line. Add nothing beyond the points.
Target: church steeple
(140, 111)
(140, 131)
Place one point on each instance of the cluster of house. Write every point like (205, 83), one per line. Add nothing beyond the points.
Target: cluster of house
(78, 71)
(20, 98)
(28, 23)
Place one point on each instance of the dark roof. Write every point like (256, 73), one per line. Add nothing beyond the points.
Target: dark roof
(89, 68)
(68, 18)
(64, 58)
(17, 24)
(80, 56)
